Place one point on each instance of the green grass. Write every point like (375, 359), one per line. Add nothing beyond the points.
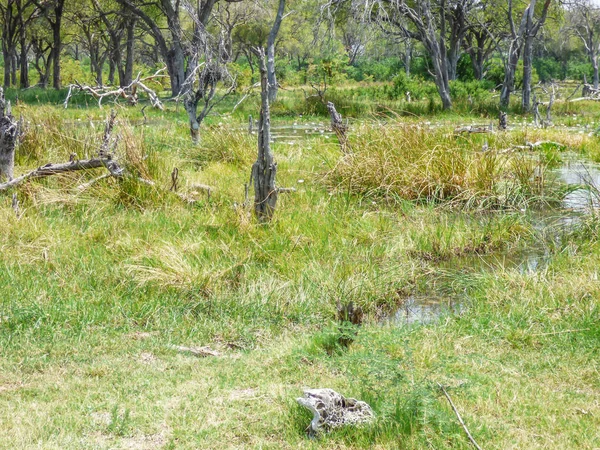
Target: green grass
(98, 285)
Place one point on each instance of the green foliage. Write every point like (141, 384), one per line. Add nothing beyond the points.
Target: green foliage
(417, 87)
(495, 73)
(549, 69)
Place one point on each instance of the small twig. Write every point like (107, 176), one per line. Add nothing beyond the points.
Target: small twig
(15, 204)
(84, 186)
(475, 444)
(174, 179)
(283, 190)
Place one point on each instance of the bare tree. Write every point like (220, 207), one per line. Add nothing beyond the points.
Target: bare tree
(521, 39)
(173, 44)
(53, 12)
(440, 25)
(532, 27)
(585, 21)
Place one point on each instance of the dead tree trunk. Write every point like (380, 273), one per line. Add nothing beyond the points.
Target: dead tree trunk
(264, 169)
(503, 121)
(8, 139)
(339, 127)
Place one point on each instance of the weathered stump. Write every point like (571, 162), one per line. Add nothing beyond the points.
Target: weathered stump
(8, 139)
(503, 121)
(264, 169)
(338, 127)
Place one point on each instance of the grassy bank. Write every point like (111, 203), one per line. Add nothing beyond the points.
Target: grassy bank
(98, 285)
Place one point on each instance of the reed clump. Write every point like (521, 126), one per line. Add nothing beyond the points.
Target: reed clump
(397, 161)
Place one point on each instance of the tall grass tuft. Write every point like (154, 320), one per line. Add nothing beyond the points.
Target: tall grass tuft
(396, 162)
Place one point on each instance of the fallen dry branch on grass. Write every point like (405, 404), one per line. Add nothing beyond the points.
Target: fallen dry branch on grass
(129, 92)
(104, 159)
(581, 99)
(532, 146)
(462, 423)
(474, 129)
(54, 169)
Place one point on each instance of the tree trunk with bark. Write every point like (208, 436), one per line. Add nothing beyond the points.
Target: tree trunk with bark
(264, 169)
(129, 50)
(531, 31)
(57, 39)
(8, 139)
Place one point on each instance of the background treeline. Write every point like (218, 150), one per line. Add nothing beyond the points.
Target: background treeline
(435, 47)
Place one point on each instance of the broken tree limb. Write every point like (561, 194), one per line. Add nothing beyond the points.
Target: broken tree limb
(532, 145)
(283, 190)
(54, 169)
(128, 92)
(9, 130)
(474, 129)
(84, 186)
(460, 420)
(104, 159)
(338, 127)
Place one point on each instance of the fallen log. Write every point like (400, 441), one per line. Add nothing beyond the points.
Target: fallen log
(54, 169)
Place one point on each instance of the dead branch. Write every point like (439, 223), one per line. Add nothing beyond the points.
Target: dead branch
(128, 92)
(54, 169)
(531, 146)
(462, 423)
(339, 127)
(474, 129)
(282, 190)
(104, 159)
(84, 186)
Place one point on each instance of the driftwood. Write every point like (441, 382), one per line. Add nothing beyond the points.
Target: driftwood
(104, 159)
(332, 410)
(531, 146)
(54, 169)
(9, 130)
(264, 169)
(474, 129)
(339, 127)
(129, 92)
(589, 91)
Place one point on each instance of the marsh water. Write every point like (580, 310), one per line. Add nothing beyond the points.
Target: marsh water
(583, 177)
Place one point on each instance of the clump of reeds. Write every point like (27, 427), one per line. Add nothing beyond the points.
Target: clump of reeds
(397, 161)
(223, 144)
